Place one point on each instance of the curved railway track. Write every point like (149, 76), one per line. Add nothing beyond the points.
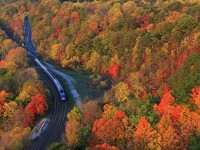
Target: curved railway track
(58, 117)
(58, 110)
(58, 114)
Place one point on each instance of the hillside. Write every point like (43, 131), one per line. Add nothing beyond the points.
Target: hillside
(145, 53)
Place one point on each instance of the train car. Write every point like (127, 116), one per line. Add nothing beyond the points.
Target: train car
(60, 89)
(31, 51)
(53, 78)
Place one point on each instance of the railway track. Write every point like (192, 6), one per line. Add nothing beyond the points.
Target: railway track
(58, 117)
(58, 114)
(59, 108)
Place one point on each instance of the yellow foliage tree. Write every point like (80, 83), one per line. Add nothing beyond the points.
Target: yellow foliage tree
(122, 92)
(11, 66)
(14, 139)
(70, 50)
(136, 86)
(114, 14)
(30, 89)
(74, 114)
(72, 128)
(109, 111)
(56, 52)
(9, 109)
(94, 63)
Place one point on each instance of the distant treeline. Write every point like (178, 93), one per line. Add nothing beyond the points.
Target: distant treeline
(76, 0)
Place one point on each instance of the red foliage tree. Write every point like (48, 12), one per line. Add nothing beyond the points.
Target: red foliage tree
(165, 103)
(166, 88)
(165, 74)
(142, 125)
(94, 25)
(78, 38)
(38, 105)
(143, 21)
(57, 32)
(176, 113)
(2, 101)
(2, 63)
(104, 146)
(3, 95)
(154, 92)
(114, 70)
(75, 17)
(143, 95)
(181, 60)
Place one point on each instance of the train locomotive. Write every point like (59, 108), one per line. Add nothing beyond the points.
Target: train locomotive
(53, 78)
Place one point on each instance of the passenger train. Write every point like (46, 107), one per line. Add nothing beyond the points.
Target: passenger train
(31, 49)
(53, 78)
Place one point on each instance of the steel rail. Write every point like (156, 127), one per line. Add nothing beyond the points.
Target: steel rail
(48, 137)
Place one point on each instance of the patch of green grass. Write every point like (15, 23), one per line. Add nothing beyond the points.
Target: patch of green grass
(83, 84)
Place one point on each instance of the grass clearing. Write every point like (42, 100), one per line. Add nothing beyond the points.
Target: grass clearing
(83, 84)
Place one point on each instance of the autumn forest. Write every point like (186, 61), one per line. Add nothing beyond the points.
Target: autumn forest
(144, 55)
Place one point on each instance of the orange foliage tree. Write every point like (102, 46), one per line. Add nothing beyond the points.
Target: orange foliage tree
(114, 70)
(75, 17)
(187, 125)
(91, 112)
(104, 146)
(38, 105)
(181, 60)
(168, 133)
(195, 96)
(2, 63)
(165, 103)
(145, 137)
(115, 130)
(176, 130)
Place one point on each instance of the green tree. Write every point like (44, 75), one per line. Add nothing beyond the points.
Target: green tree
(185, 78)
(57, 146)
(184, 26)
(83, 136)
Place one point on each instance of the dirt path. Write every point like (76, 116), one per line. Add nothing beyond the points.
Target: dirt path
(71, 81)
